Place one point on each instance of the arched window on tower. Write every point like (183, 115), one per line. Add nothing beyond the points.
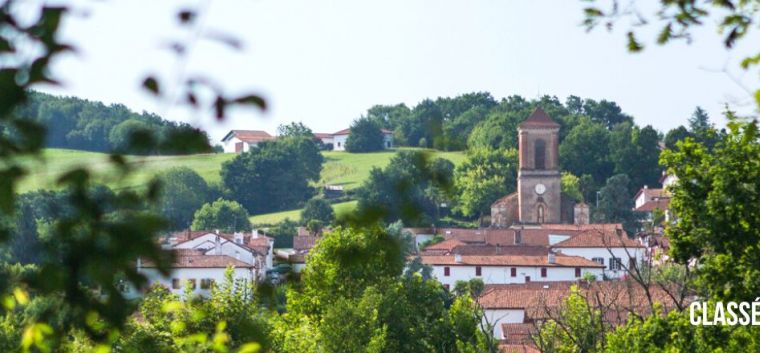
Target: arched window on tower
(540, 214)
(539, 161)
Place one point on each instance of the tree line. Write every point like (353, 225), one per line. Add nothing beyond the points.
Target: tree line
(76, 123)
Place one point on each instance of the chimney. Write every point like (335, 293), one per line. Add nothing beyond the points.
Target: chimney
(238, 238)
(216, 231)
(552, 258)
(218, 246)
(580, 214)
(255, 233)
(458, 258)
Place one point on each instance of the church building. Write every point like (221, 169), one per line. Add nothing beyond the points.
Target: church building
(538, 198)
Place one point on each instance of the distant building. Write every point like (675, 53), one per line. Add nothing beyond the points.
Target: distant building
(202, 258)
(340, 138)
(237, 141)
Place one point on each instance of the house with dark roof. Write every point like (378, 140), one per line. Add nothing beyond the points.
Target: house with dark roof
(237, 141)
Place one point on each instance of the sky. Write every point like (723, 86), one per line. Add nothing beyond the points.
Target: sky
(324, 63)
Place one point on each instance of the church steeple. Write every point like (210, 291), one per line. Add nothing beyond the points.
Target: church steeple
(538, 180)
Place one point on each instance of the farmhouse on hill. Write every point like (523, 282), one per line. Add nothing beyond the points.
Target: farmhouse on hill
(339, 139)
(237, 141)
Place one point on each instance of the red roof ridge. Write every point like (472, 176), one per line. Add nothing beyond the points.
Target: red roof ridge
(539, 119)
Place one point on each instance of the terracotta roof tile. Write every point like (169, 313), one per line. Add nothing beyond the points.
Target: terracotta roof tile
(304, 242)
(508, 260)
(185, 260)
(518, 333)
(518, 348)
(599, 239)
(539, 119)
(649, 206)
(250, 136)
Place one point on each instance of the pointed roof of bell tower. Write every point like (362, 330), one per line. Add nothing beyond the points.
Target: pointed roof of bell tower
(538, 119)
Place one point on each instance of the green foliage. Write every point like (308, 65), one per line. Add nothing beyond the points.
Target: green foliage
(183, 192)
(424, 127)
(407, 189)
(366, 136)
(85, 125)
(615, 204)
(223, 215)
(578, 327)
(273, 176)
(584, 151)
(714, 201)
(571, 186)
(635, 152)
(484, 177)
(673, 136)
(317, 209)
(294, 130)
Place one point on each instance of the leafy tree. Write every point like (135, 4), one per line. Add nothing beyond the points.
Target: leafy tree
(366, 136)
(424, 127)
(702, 129)
(226, 216)
(605, 112)
(571, 186)
(577, 327)
(317, 209)
(274, 175)
(401, 191)
(389, 116)
(673, 136)
(584, 151)
(615, 204)
(635, 152)
(714, 201)
(183, 192)
(283, 233)
(484, 177)
(294, 129)
(121, 137)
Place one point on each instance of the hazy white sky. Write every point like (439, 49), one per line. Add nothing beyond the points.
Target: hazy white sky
(325, 62)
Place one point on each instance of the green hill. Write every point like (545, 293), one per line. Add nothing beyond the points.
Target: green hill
(340, 168)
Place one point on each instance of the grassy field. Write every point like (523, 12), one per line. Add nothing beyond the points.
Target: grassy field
(294, 215)
(340, 168)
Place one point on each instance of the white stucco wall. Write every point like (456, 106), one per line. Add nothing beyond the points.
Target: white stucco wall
(339, 142)
(229, 145)
(208, 241)
(604, 253)
(502, 274)
(387, 141)
(184, 274)
(496, 317)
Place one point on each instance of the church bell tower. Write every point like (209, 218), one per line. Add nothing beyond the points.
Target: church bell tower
(538, 179)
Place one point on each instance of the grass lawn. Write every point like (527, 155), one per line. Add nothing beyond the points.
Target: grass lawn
(340, 168)
(295, 215)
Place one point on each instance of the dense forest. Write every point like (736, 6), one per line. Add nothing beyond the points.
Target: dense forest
(82, 124)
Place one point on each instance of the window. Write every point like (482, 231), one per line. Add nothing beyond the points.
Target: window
(577, 272)
(338, 144)
(599, 260)
(543, 271)
(513, 272)
(176, 284)
(540, 155)
(206, 283)
(527, 279)
(477, 271)
(518, 237)
(631, 262)
(615, 264)
(446, 271)
(191, 283)
(540, 214)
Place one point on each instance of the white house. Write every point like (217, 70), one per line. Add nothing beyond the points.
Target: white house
(198, 270)
(340, 138)
(505, 269)
(237, 141)
(253, 249)
(616, 252)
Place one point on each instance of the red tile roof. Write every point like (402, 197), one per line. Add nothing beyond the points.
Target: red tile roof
(524, 295)
(250, 136)
(348, 131)
(599, 239)
(304, 242)
(184, 259)
(506, 198)
(517, 334)
(322, 135)
(651, 193)
(509, 260)
(649, 206)
(538, 119)
(518, 348)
